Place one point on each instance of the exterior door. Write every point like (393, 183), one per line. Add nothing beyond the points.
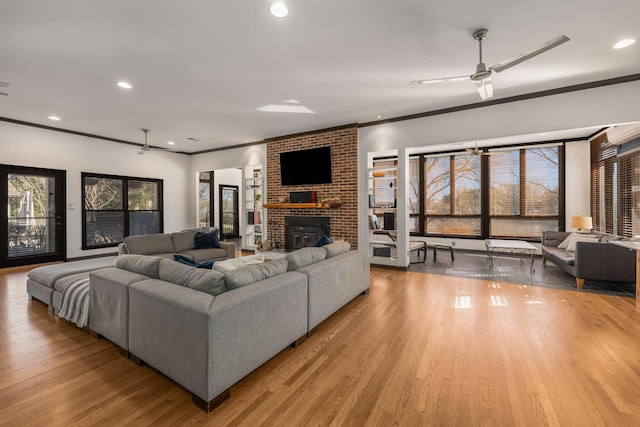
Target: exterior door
(229, 215)
(33, 224)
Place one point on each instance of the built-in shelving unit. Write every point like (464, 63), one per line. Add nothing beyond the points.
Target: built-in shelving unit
(253, 208)
(382, 183)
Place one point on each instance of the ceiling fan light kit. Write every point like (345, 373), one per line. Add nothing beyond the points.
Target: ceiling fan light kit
(482, 76)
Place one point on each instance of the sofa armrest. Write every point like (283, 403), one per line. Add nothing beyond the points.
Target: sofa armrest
(122, 249)
(605, 262)
(230, 247)
(553, 238)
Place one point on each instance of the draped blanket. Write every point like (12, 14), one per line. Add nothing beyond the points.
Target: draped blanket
(75, 302)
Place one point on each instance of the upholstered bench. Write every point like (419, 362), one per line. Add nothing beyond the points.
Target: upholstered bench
(46, 285)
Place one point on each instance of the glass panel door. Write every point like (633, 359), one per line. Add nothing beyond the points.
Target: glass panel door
(33, 224)
(229, 217)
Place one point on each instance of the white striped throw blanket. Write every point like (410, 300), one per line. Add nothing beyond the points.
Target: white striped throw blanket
(75, 302)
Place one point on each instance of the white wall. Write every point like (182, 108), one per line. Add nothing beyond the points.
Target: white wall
(29, 146)
(594, 107)
(253, 155)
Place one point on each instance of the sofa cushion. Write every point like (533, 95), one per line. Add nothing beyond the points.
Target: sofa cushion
(254, 273)
(206, 240)
(560, 255)
(211, 282)
(337, 248)
(149, 244)
(48, 275)
(141, 264)
(183, 240)
(305, 256)
(606, 237)
(576, 237)
(205, 254)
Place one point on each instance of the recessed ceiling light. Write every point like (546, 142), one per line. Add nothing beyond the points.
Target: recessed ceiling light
(124, 85)
(56, 118)
(378, 117)
(624, 43)
(171, 143)
(279, 10)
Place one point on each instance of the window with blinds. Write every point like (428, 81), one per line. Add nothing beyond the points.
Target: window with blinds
(525, 191)
(114, 207)
(629, 218)
(604, 185)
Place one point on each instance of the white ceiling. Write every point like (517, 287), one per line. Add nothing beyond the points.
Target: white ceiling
(201, 69)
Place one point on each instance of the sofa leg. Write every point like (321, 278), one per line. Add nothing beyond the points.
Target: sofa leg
(123, 352)
(365, 292)
(299, 341)
(210, 405)
(579, 283)
(135, 359)
(312, 332)
(94, 334)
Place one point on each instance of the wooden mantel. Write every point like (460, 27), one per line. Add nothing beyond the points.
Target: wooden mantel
(325, 205)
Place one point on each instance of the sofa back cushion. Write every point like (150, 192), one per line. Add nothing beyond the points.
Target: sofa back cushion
(141, 264)
(203, 280)
(337, 248)
(569, 243)
(305, 256)
(149, 244)
(254, 273)
(183, 240)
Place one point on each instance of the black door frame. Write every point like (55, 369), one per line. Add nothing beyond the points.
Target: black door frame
(60, 254)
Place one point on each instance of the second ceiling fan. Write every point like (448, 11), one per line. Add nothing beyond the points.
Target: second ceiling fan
(482, 76)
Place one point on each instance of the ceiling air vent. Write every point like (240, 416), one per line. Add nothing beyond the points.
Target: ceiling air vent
(622, 134)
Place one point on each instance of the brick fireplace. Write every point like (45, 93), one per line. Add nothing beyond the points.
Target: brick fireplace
(344, 165)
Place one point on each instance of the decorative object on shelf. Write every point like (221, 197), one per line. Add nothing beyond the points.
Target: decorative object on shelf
(584, 224)
(378, 174)
(258, 197)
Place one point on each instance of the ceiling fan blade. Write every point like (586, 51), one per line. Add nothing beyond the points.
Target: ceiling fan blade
(446, 79)
(485, 89)
(508, 63)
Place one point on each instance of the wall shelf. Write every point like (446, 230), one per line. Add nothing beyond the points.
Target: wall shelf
(327, 205)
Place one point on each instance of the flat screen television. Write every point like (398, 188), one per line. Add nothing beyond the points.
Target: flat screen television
(306, 166)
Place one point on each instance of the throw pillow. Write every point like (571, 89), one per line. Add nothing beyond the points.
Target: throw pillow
(188, 261)
(211, 282)
(576, 239)
(323, 240)
(576, 236)
(206, 240)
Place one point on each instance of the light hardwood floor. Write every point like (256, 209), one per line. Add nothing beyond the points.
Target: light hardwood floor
(418, 350)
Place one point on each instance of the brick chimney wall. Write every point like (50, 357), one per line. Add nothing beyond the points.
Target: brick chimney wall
(344, 167)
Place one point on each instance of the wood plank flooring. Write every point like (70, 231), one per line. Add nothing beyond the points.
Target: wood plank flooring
(418, 350)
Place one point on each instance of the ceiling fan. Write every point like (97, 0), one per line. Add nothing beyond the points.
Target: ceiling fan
(482, 76)
(146, 147)
(477, 151)
(3, 85)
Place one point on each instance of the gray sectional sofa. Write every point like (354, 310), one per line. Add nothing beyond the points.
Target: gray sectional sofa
(48, 283)
(179, 243)
(590, 258)
(207, 330)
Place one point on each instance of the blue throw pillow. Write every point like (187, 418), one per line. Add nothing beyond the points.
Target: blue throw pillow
(186, 261)
(206, 240)
(323, 240)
